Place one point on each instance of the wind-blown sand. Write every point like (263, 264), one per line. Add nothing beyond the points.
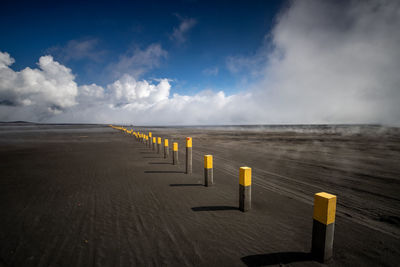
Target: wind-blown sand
(88, 195)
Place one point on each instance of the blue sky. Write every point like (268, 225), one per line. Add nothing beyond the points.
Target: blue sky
(200, 62)
(220, 29)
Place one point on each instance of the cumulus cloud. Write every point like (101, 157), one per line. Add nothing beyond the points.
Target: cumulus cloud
(327, 62)
(137, 61)
(130, 93)
(179, 34)
(48, 89)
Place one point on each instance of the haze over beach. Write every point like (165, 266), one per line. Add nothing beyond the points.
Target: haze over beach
(200, 133)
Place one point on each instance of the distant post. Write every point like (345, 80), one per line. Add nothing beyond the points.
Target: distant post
(244, 189)
(323, 226)
(208, 170)
(159, 145)
(154, 143)
(175, 154)
(188, 155)
(166, 148)
(151, 139)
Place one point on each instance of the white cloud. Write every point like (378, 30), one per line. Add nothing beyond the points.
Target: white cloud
(78, 50)
(138, 61)
(129, 92)
(179, 34)
(48, 89)
(211, 71)
(334, 62)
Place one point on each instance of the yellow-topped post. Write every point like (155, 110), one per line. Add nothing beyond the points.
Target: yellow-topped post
(323, 226)
(151, 139)
(244, 188)
(208, 170)
(175, 153)
(166, 148)
(188, 155)
(154, 143)
(159, 145)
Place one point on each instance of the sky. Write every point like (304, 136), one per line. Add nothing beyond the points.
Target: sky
(193, 62)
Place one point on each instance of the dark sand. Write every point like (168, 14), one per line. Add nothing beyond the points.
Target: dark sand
(88, 195)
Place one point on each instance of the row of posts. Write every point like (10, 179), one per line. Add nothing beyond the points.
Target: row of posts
(324, 203)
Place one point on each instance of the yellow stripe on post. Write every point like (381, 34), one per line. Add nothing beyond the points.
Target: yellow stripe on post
(165, 142)
(150, 134)
(188, 141)
(175, 146)
(159, 140)
(154, 140)
(324, 208)
(208, 161)
(245, 176)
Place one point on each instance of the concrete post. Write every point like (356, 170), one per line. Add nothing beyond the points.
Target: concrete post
(208, 170)
(159, 145)
(166, 148)
(151, 140)
(154, 144)
(245, 189)
(188, 155)
(323, 226)
(175, 154)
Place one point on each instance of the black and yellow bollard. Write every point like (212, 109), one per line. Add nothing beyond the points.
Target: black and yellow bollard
(188, 155)
(175, 154)
(154, 143)
(166, 148)
(208, 170)
(151, 139)
(245, 189)
(147, 141)
(323, 226)
(159, 145)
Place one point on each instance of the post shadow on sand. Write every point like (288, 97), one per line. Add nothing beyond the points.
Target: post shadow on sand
(151, 157)
(164, 172)
(177, 185)
(160, 163)
(214, 208)
(276, 258)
